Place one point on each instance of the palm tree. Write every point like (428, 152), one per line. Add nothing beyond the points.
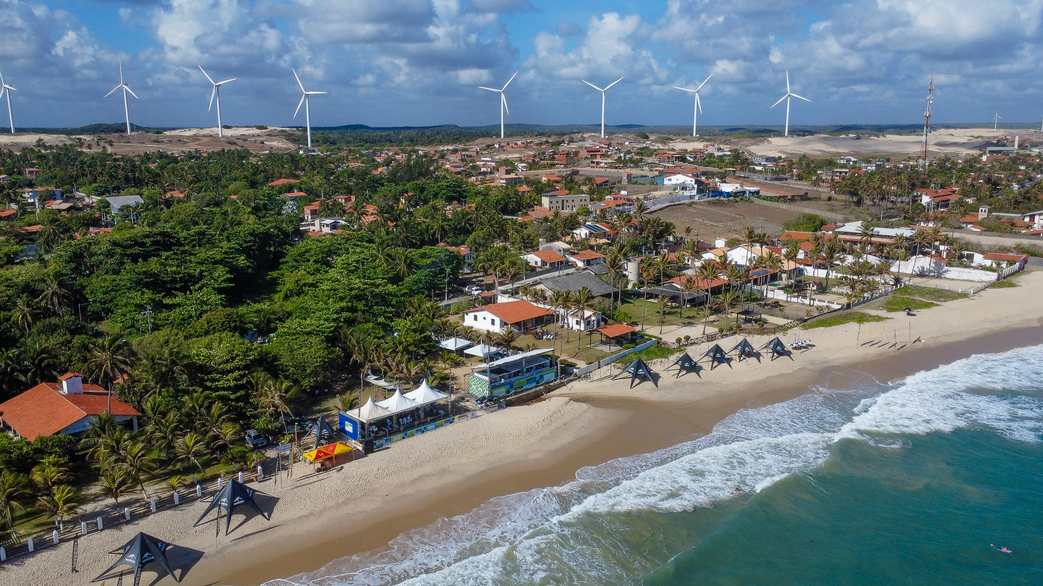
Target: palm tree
(708, 272)
(662, 300)
(12, 491)
(54, 293)
(615, 264)
(508, 339)
(830, 252)
(274, 395)
(61, 503)
(50, 472)
(115, 482)
(190, 447)
(137, 459)
(109, 361)
(23, 314)
(581, 301)
(224, 437)
(728, 300)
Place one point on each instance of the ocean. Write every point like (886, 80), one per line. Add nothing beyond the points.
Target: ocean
(916, 482)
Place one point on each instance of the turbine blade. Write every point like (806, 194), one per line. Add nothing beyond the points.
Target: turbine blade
(699, 103)
(509, 81)
(213, 92)
(204, 73)
(481, 87)
(298, 80)
(315, 93)
(780, 101)
(132, 93)
(801, 98)
(2, 80)
(113, 90)
(613, 83)
(592, 85)
(226, 81)
(299, 104)
(684, 89)
(704, 82)
(503, 98)
(787, 82)
(121, 71)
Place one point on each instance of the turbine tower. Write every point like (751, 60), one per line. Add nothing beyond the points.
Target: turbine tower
(926, 128)
(602, 100)
(698, 104)
(996, 121)
(216, 93)
(787, 97)
(6, 88)
(304, 101)
(503, 99)
(123, 86)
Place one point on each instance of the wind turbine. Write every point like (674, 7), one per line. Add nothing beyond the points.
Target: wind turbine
(123, 86)
(996, 121)
(216, 93)
(503, 99)
(304, 101)
(787, 97)
(698, 103)
(6, 88)
(602, 100)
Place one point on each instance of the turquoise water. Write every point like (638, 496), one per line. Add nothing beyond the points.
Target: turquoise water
(876, 484)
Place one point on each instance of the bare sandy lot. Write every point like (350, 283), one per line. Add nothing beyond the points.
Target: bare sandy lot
(185, 139)
(725, 220)
(954, 142)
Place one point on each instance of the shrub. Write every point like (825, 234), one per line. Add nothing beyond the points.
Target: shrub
(627, 346)
(678, 339)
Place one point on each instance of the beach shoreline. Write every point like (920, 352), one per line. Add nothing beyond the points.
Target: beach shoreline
(451, 471)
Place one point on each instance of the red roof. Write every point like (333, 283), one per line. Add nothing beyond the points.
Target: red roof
(1005, 256)
(279, 182)
(513, 312)
(549, 256)
(615, 330)
(697, 282)
(586, 255)
(45, 410)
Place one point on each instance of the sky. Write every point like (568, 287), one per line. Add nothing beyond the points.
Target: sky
(418, 62)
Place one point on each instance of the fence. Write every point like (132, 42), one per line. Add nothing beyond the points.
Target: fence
(606, 361)
(73, 530)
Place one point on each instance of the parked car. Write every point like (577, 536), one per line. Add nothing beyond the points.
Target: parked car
(254, 439)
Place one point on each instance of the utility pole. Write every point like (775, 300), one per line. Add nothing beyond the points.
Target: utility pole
(926, 128)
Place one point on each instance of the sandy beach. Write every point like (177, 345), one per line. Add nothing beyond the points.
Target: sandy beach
(366, 503)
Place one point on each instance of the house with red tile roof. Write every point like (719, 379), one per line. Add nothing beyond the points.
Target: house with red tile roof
(586, 258)
(498, 317)
(67, 407)
(545, 259)
(281, 182)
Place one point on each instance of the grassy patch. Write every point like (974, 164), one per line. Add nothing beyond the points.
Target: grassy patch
(930, 293)
(654, 353)
(899, 303)
(1004, 284)
(839, 319)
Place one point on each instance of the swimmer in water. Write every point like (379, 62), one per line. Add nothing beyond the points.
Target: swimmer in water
(1003, 549)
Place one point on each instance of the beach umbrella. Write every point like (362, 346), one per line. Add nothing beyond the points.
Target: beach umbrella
(635, 369)
(327, 452)
(232, 495)
(143, 549)
(745, 349)
(683, 364)
(777, 348)
(716, 355)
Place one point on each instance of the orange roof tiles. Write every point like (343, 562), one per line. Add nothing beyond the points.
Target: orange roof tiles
(45, 410)
(549, 256)
(513, 312)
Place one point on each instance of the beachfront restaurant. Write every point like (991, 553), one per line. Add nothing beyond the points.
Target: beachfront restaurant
(511, 375)
(400, 413)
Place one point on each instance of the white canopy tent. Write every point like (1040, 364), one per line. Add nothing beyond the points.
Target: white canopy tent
(398, 403)
(425, 395)
(454, 344)
(371, 411)
(482, 350)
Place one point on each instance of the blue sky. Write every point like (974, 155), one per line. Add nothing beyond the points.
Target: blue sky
(418, 62)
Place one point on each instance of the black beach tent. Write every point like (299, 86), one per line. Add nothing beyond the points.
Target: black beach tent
(320, 429)
(745, 350)
(685, 364)
(143, 549)
(637, 368)
(777, 348)
(232, 495)
(717, 355)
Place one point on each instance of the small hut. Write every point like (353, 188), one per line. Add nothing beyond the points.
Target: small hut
(745, 350)
(778, 348)
(685, 364)
(143, 549)
(716, 355)
(635, 369)
(232, 495)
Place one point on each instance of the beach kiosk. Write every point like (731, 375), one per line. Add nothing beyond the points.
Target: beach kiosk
(399, 414)
(511, 375)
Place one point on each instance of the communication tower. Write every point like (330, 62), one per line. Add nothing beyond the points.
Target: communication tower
(926, 128)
